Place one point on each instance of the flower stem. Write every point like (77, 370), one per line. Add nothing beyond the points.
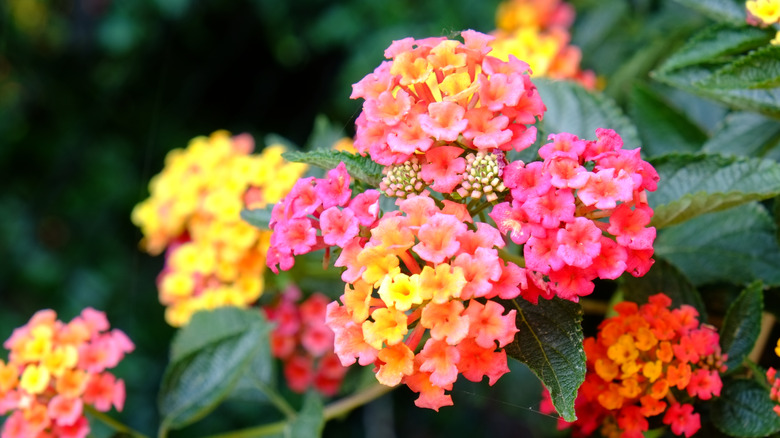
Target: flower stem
(112, 423)
(331, 411)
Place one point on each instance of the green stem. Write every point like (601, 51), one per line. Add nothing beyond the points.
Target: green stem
(331, 411)
(514, 258)
(479, 209)
(112, 423)
(276, 399)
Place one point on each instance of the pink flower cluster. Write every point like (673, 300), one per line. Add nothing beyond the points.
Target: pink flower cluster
(304, 343)
(581, 214)
(55, 369)
(424, 279)
(318, 213)
(436, 97)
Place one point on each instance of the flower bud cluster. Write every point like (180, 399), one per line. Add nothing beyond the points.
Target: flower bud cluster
(537, 31)
(304, 343)
(648, 361)
(213, 257)
(581, 213)
(55, 369)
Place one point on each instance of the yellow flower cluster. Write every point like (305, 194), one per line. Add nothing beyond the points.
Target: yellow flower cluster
(213, 257)
(537, 32)
(765, 13)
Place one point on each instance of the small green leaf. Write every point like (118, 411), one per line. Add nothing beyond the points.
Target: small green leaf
(742, 325)
(573, 109)
(208, 358)
(550, 343)
(736, 246)
(716, 42)
(258, 218)
(359, 167)
(663, 277)
(720, 10)
(744, 134)
(744, 409)
(310, 420)
(757, 69)
(694, 184)
(662, 128)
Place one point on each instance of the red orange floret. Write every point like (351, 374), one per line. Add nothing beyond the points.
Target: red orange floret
(55, 369)
(304, 343)
(632, 369)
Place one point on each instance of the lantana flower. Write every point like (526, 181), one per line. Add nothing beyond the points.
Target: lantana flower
(55, 370)
(213, 258)
(648, 361)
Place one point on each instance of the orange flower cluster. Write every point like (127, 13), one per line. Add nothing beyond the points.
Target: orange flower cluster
(647, 361)
(537, 31)
(213, 257)
(55, 369)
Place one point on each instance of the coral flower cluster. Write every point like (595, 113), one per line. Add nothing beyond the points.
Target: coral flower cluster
(580, 214)
(304, 343)
(213, 257)
(419, 301)
(55, 370)
(764, 13)
(648, 361)
(537, 31)
(436, 98)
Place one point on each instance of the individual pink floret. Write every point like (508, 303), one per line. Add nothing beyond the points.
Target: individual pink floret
(440, 359)
(338, 226)
(486, 130)
(334, 188)
(476, 362)
(444, 121)
(444, 169)
(500, 91)
(488, 324)
(579, 242)
(605, 188)
(439, 238)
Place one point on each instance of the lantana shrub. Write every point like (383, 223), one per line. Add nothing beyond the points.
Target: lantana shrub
(491, 206)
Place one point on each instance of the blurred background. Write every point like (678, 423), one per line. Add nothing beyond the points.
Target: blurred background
(94, 93)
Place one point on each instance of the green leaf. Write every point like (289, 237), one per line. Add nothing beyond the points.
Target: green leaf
(758, 69)
(744, 409)
(259, 217)
(736, 246)
(765, 100)
(550, 343)
(662, 128)
(694, 184)
(208, 358)
(310, 420)
(720, 10)
(746, 134)
(359, 167)
(663, 277)
(742, 325)
(716, 42)
(573, 109)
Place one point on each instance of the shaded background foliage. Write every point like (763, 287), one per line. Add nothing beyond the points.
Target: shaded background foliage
(94, 93)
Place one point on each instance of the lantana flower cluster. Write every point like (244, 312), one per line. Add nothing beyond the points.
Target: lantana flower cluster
(304, 343)
(580, 214)
(537, 31)
(423, 281)
(55, 370)
(213, 257)
(774, 382)
(437, 97)
(648, 361)
(764, 13)
(419, 301)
